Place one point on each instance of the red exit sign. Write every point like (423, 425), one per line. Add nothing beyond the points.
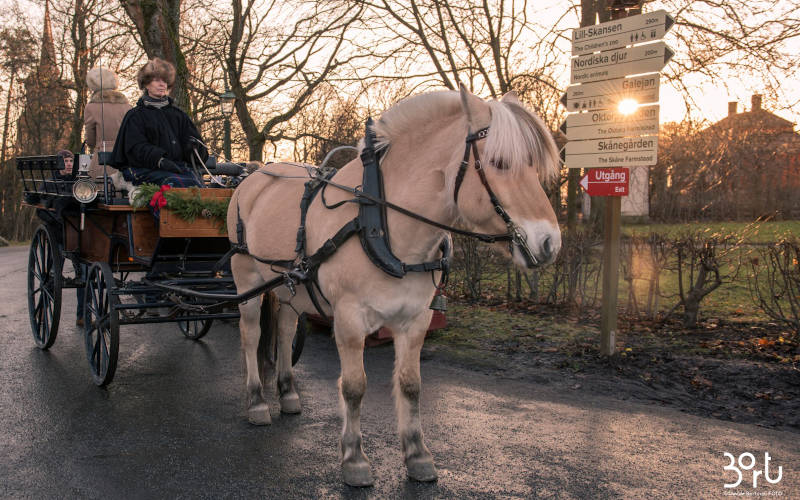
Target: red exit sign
(606, 182)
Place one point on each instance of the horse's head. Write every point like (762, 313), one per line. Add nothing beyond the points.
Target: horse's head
(517, 156)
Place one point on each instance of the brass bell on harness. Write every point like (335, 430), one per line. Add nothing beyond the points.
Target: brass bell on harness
(439, 303)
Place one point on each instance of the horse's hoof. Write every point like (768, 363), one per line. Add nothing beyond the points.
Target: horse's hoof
(357, 474)
(422, 470)
(259, 415)
(290, 403)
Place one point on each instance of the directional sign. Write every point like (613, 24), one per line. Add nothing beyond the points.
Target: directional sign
(618, 63)
(606, 182)
(607, 94)
(611, 152)
(622, 32)
(611, 123)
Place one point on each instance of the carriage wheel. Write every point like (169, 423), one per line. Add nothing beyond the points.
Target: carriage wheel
(44, 287)
(101, 323)
(195, 329)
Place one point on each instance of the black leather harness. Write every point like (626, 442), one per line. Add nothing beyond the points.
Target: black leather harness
(370, 224)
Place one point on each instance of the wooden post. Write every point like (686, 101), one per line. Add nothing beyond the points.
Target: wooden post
(611, 228)
(608, 318)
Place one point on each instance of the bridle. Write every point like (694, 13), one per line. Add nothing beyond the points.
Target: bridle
(515, 235)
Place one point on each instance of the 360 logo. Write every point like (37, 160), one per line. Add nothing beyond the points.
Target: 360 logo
(747, 461)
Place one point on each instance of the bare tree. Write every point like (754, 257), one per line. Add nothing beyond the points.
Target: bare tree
(273, 68)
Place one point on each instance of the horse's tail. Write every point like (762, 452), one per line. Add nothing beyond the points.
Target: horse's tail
(266, 352)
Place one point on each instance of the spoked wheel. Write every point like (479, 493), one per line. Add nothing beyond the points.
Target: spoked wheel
(195, 329)
(101, 323)
(44, 287)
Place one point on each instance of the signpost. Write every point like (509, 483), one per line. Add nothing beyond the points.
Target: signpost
(619, 152)
(603, 124)
(618, 63)
(602, 138)
(606, 182)
(607, 94)
(621, 32)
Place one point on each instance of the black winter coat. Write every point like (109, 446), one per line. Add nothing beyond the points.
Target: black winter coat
(147, 134)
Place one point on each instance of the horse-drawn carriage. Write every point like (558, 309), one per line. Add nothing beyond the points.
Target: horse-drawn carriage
(312, 250)
(139, 269)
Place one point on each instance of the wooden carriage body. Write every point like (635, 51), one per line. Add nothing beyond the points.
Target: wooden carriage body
(134, 268)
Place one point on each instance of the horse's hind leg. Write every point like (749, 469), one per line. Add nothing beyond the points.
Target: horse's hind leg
(247, 277)
(407, 386)
(350, 334)
(287, 326)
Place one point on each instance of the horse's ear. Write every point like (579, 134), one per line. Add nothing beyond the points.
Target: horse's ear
(511, 97)
(471, 104)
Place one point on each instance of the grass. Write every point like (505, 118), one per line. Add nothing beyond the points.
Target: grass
(752, 232)
(732, 300)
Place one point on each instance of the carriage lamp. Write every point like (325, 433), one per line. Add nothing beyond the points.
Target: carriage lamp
(226, 103)
(84, 190)
(226, 108)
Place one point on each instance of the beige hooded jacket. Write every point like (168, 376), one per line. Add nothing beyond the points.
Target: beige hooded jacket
(103, 115)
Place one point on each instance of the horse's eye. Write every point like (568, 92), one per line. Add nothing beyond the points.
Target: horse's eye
(499, 164)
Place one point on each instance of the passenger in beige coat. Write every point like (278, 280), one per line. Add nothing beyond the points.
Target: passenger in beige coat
(103, 115)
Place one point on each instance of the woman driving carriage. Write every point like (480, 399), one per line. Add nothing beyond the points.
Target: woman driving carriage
(157, 140)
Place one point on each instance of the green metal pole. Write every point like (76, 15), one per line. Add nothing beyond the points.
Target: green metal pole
(227, 139)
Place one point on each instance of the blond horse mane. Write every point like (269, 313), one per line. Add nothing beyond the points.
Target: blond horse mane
(517, 138)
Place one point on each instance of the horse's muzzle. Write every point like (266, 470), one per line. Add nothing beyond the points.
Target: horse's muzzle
(535, 245)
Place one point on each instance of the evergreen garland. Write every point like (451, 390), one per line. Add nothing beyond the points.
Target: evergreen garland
(187, 206)
(191, 205)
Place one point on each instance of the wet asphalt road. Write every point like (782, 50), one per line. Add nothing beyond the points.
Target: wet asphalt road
(172, 425)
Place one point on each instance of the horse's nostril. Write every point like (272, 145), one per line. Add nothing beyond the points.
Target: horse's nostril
(547, 247)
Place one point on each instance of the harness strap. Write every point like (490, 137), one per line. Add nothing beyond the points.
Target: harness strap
(332, 244)
(361, 196)
(462, 169)
(492, 197)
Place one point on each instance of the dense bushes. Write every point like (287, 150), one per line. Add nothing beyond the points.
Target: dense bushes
(774, 282)
(659, 276)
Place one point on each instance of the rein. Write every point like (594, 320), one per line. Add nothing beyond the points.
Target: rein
(370, 224)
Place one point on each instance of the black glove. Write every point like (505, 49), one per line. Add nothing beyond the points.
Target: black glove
(169, 166)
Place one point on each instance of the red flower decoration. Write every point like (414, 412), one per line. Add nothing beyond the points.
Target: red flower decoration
(158, 201)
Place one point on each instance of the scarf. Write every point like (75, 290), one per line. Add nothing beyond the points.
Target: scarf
(155, 103)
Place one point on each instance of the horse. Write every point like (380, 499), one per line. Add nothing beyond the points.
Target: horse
(422, 140)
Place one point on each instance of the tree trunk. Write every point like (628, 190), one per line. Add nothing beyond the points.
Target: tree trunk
(80, 66)
(256, 147)
(6, 120)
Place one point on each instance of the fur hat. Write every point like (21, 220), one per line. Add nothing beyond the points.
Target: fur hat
(101, 79)
(156, 68)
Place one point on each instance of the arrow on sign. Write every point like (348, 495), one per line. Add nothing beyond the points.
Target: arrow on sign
(618, 63)
(606, 182)
(621, 32)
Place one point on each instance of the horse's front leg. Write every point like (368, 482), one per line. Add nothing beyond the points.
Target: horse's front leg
(350, 334)
(287, 327)
(407, 388)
